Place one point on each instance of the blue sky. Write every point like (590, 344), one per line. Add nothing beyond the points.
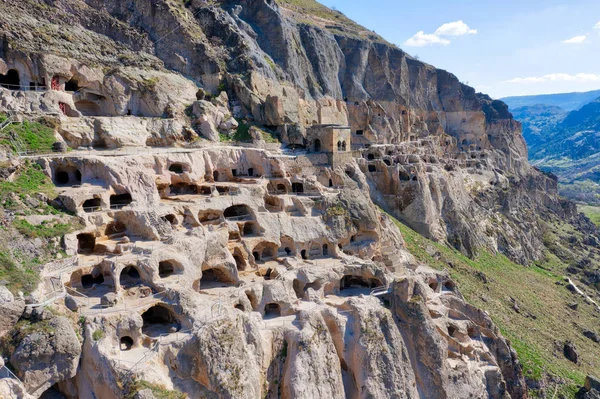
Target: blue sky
(502, 48)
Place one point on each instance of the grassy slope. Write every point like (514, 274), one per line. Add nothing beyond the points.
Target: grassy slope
(592, 212)
(544, 321)
(19, 270)
(35, 136)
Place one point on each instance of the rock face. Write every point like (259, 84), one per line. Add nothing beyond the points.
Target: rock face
(10, 310)
(260, 271)
(48, 356)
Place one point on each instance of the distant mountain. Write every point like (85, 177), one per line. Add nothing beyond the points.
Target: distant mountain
(537, 120)
(566, 144)
(566, 101)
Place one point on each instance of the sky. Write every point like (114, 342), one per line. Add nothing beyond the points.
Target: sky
(502, 48)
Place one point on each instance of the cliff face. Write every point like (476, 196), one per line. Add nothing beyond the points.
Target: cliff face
(288, 70)
(232, 272)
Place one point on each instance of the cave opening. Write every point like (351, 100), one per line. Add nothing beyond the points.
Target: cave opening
(89, 280)
(118, 201)
(11, 80)
(272, 310)
(237, 212)
(166, 268)
(297, 188)
(92, 205)
(352, 281)
(176, 168)
(86, 242)
(72, 85)
(130, 276)
(159, 320)
(125, 343)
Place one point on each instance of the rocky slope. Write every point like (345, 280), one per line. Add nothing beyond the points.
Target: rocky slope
(223, 269)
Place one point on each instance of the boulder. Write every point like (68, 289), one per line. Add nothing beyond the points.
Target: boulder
(60, 146)
(108, 300)
(71, 303)
(10, 310)
(48, 355)
(570, 352)
(592, 382)
(592, 335)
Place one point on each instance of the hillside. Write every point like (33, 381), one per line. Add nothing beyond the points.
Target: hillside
(263, 199)
(566, 101)
(567, 145)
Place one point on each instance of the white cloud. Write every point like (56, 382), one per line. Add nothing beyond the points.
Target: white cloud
(597, 26)
(458, 28)
(576, 40)
(557, 77)
(421, 39)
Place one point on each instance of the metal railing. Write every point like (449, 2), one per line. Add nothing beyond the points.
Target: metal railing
(14, 87)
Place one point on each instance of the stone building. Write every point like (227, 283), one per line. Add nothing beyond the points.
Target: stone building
(334, 140)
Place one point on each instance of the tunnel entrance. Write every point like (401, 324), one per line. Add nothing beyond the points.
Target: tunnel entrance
(272, 310)
(214, 278)
(126, 343)
(92, 205)
(61, 178)
(159, 320)
(240, 263)
(317, 145)
(11, 80)
(352, 283)
(297, 188)
(118, 201)
(176, 168)
(89, 280)
(130, 276)
(183, 189)
(239, 212)
(86, 243)
(72, 85)
(167, 268)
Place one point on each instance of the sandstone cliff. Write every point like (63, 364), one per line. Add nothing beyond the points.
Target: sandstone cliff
(264, 268)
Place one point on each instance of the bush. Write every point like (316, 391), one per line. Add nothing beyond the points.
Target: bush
(97, 335)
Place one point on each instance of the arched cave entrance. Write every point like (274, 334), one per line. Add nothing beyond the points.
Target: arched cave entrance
(237, 212)
(317, 145)
(129, 277)
(72, 85)
(159, 320)
(11, 80)
(125, 343)
(92, 205)
(89, 280)
(118, 201)
(167, 268)
(176, 168)
(350, 282)
(272, 310)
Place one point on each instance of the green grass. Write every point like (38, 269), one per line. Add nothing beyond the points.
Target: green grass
(17, 278)
(46, 229)
(97, 335)
(29, 181)
(544, 319)
(242, 133)
(592, 212)
(35, 136)
(159, 391)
